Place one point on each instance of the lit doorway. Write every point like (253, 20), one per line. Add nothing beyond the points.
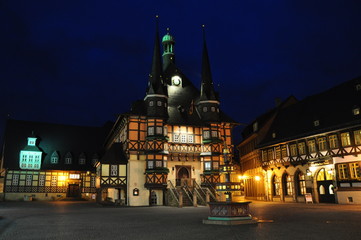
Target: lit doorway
(325, 187)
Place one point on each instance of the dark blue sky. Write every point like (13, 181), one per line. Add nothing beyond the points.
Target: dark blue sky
(83, 62)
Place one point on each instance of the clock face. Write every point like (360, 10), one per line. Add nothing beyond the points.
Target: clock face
(176, 80)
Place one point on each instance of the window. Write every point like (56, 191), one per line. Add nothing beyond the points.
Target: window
(68, 158)
(159, 103)
(176, 137)
(311, 146)
(287, 183)
(301, 148)
(255, 127)
(321, 144)
(74, 176)
(150, 131)
(264, 155)
(42, 180)
(278, 152)
(213, 109)
(54, 158)
(158, 164)
(354, 170)
(345, 139)
(53, 181)
(357, 135)
(301, 184)
(293, 150)
(273, 135)
(333, 141)
(276, 186)
(92, 181)
(183, 138)
(207, 166)
(165, 130)
(216, 165)
(284, 151)
(206, 134)
(151, 103)
(316, 123)
(159, 130)
(190, 139)
(15, 180)
(342, 171)
(270, 154)
(150, 165)
(113, 170)
(356, 111)
(82, 159)
(28, 180)
(205, 109)
(214, 134)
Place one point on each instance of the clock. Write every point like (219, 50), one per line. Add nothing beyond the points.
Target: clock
(176, 80)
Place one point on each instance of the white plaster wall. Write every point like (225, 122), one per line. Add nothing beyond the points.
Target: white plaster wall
(342, 197)
(136, 179)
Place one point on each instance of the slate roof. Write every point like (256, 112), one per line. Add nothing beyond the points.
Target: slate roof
(332, 108)
(53, 137)
(115, 155)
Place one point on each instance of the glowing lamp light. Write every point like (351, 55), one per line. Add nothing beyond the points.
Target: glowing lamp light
(62, 178)
(257, 178)
(135, 192)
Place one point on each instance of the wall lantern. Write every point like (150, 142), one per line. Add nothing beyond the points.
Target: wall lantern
(135, 192)
(308, 172)
(257, 178)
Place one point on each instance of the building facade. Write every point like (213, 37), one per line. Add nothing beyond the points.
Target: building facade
(311, 151)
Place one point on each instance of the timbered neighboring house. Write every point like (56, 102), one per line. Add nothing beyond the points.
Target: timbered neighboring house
(252, 175)
(45, 161)
(174, 136)
(313, 148)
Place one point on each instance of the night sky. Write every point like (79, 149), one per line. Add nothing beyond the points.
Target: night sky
(84, 62)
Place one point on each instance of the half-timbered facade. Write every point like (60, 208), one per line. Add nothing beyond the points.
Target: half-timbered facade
(174, 136)
(45, 161)
(313, 148)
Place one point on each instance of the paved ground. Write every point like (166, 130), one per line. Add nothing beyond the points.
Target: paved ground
(84, 220)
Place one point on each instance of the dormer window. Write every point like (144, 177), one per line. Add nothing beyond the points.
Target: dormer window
(151, 103)
(358, 87)
(54, 159)
(213, 109)
(95, 158)
(68, 158)
(159, 103)
(176, 81)
(356, 111)
(205, 109)
(82, 159)
(255, 127)
(31, 141)
(273, 135)
(316, 123)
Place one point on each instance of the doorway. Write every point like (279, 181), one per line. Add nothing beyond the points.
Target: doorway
(183, 176)
(325, 187)
(73, 190)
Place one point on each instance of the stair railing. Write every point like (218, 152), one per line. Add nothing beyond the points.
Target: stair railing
(173, 191)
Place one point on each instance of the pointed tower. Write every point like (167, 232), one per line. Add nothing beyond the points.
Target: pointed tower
(208, 105)
(156, 98)
(168, 50)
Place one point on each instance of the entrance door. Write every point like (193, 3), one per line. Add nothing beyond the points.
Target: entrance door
(73, 190)
(183, 176)
(153, 198)
(325, 187)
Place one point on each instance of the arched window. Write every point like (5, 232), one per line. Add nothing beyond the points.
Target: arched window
(287, 184)
(82, 158)
(276, 186)
(54, 159)
(68, 158)
(301, 183)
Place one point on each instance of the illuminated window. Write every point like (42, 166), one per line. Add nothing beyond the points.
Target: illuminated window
(333, 141)
(74, 176)
(311, 146)
(183, 138)
(165, 130)
(92, 181)
(278, 152)
(42, 180)
(316, 123)
(345, 139)
(150, 131)
(301, 148)
(68, 158)
(321, 144)
(216, 165)
(159, 130)
(284, 151)
(354, 170)
(206, 134)
(293, 150)
(15, 180)
(342, 171)
(207, 166)
(214, 134)
(176, 138)
(54, 158)
(150, 165)
(54, 181)
(356, 111)
(357, 135)
(276, 186)
(28, 180)
(287, 183)
(301, 184)
(255, 127)
(190, 139)
(264, 155)
(113, 170)
(158, 164)
(270, 154)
